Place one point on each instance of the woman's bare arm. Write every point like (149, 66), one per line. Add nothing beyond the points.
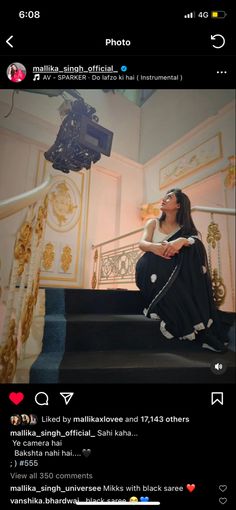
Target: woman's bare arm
(173, 247)
(146, 243)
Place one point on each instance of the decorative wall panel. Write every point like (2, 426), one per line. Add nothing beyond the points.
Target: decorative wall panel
(64, 244)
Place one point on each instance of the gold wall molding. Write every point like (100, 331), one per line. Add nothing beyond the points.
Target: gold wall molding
(66, 258)
(210, 122)
(230, 179)
(149, 211)
(64, 205)
(201, 156)
(72, 231)
(48, 256)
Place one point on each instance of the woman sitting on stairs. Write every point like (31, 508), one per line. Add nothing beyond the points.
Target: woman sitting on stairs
(174, 277)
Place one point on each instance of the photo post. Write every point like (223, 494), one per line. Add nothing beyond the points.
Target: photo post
(117, 261)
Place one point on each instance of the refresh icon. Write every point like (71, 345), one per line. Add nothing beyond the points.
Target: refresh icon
(219, 40)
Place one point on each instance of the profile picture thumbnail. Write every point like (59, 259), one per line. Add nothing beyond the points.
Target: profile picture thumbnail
(15, 419)
(33, 419)
(25, 419)
(16, 72)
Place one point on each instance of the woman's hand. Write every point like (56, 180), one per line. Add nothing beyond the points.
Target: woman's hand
(180, 242)
(159, 249)
(171, 248)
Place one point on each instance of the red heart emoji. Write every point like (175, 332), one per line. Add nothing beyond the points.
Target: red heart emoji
(190, 487)
(16, 398)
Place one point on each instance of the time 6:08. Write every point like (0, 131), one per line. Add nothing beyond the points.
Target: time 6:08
(29, 14)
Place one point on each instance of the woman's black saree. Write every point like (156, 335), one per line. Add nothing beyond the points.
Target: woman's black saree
(179, 290)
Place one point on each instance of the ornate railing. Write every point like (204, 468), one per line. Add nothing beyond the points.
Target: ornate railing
(116, 266)
(24, 279)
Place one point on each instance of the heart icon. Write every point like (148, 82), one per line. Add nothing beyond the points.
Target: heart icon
(144, 499)
(191, 487)
(223, 488)
(223, 501)
(86, 453)
(16, 398)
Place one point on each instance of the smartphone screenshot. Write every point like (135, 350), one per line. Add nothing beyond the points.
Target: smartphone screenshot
(117, 256)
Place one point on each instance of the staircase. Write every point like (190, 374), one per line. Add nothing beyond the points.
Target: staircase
(102, 336)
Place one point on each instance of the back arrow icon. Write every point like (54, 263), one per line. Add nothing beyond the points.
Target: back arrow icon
(8, 41)
(213, 38)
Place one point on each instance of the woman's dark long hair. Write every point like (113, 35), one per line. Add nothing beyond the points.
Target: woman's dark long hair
(13, 70)
(183, 216)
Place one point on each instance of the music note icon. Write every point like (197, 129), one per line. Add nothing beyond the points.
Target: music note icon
(36, 77)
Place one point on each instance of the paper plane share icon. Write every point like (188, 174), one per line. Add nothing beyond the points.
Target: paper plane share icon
(67, 396)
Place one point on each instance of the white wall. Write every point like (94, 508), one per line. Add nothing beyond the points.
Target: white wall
(139, 133)
(204, 186)
(212, 191)
(169, 114)
(116, 192)
(223, 122)
(116, 187)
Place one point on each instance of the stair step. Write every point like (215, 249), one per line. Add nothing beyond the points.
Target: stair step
(55, 301)
(46, 368)
(107, 339)
(80, 301)
(108, 332)
(54, 333)
(76, 301)
(141, 367)
(119, 332)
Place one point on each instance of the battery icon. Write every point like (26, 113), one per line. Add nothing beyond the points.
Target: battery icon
(218, 14)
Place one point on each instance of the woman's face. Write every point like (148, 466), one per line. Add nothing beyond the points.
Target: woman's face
(169, 202)
(15, 420)
(25, 418)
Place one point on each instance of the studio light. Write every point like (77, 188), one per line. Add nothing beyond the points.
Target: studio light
(80, 140)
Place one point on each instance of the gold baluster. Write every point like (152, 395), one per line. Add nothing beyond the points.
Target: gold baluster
(95, 263)
(213, 240)
(8, 355)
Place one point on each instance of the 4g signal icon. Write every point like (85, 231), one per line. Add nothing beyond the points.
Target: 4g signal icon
(190, 15)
